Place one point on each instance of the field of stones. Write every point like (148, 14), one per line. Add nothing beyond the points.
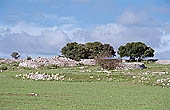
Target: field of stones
(84, 87)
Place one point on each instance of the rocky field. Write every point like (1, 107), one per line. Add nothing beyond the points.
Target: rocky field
(84, 86)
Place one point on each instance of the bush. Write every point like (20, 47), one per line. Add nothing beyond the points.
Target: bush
(29, 58)
(16, 64)
(52, 66)
(3, 67)
(109, 64)
(15, 55)
(106, 62)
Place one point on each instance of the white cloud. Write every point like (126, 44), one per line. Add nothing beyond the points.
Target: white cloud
(164, 42)
(36, 40)
(48, 42)
(118, 34)
(32, 29)
(136, 18)
(109, 33)
(4, 30)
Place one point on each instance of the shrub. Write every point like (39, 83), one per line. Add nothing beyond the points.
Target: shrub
(3, 67)
(106, 62)
(109, 63)
(16, 64)
(52, 66)
(15, 55)
(29, 58)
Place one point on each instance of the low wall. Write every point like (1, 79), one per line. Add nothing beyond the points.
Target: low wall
(163, 62)
(59, 61)
(88, 61)
(133, 65)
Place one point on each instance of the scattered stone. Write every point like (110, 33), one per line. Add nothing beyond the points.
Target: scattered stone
(88, 61)
(33, 94)
(163, 82)
(134, 77)
(104, 71)
(82, 67)
(98, 79)
(88, 71)
(37, 76)
(91, 77)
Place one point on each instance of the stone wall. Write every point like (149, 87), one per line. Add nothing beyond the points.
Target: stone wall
(59, 61)
(88, 61)
(163, 62)
(133, 65)
(38, 62)
(8, 61)
(62, 61)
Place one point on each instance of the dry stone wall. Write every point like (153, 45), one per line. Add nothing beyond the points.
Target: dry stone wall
(62, 61)
(59, 61)
(163, 62)
(134, 65)
(38, 62)
(88, 61)
(8, 61)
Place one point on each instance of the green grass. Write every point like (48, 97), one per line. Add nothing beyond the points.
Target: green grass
(83, 93)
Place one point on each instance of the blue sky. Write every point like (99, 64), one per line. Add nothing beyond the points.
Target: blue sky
(43, 27)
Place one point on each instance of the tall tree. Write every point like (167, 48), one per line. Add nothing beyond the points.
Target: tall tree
(86, 51)
(15, 55)
(136, 51)
(74, 51)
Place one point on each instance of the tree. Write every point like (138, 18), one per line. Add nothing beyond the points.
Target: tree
(136, 51)
(89, 50)
(107, 48)
(29, 58)
(74, 51)
(15, 55)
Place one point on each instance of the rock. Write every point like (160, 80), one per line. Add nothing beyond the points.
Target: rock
(133, 65)
(91, 76)
(88, 61)
(33, 94)
(37, 76)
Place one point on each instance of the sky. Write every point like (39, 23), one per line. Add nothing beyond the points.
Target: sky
(43, 27)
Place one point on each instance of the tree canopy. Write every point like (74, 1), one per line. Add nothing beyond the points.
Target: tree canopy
(86, 51)
(15, 55)
(135, 50)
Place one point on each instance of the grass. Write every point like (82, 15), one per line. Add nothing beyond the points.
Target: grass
(121, 93)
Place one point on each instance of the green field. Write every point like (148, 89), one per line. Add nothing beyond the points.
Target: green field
(120, 90)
